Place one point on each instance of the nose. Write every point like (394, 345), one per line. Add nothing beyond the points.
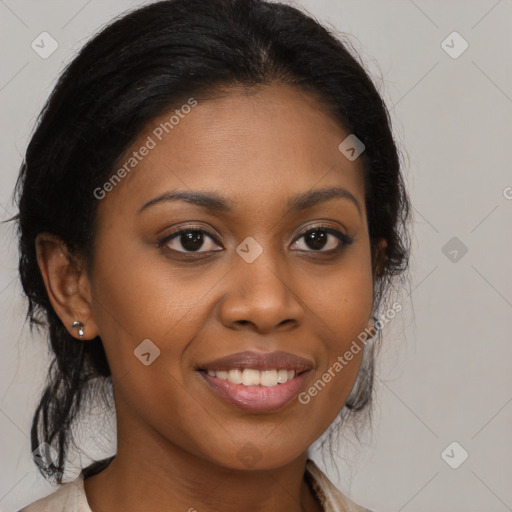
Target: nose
(260, 296)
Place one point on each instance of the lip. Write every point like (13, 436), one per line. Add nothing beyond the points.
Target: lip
(256, 398)
(258, 361)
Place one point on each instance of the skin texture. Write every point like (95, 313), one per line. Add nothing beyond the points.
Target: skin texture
(179, 443)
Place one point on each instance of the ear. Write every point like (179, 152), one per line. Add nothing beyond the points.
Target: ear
(371, 329)
(379, 258)
(67, 284)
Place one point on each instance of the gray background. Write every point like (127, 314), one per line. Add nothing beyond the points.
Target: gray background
(444, 371)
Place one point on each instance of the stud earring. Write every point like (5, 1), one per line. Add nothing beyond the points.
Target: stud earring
(80, 326)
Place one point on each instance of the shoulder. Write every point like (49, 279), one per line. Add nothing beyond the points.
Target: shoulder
(330, 497)
(69, 497)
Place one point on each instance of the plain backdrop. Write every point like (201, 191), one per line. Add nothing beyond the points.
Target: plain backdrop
(444, 371)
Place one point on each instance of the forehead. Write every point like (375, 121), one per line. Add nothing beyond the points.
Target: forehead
(253, 145)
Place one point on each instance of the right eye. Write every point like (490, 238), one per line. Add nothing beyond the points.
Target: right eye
(190, 239)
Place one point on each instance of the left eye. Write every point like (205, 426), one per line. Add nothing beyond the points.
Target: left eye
(324, 239)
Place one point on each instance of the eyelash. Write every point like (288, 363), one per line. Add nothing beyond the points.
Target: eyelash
(344, 240)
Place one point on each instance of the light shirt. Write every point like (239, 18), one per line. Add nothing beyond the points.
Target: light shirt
(70, 496)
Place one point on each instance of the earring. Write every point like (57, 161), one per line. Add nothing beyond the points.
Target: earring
(80, 326)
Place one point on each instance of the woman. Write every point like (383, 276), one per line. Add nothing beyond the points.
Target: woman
(211, 213)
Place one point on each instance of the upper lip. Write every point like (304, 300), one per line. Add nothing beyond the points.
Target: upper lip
(259, 361)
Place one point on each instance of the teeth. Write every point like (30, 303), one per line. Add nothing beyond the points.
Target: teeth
(268, 378)
(235, 376)
(251, 377)
(282, 376)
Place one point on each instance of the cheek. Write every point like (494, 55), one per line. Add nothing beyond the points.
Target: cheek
(342, 304)
(136, 300)
(340, 296)
(147, 314)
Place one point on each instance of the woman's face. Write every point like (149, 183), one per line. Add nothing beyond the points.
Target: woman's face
(256, 271)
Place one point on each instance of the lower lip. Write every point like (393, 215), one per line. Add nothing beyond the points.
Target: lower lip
(256, 398)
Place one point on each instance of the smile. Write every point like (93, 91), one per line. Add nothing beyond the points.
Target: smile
(256, 397)
(256, 381)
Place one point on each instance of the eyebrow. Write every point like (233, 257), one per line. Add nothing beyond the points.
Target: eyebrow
(215, 202)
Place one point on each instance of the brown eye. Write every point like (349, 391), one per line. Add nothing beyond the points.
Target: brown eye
(190, 240)
(323, 239)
